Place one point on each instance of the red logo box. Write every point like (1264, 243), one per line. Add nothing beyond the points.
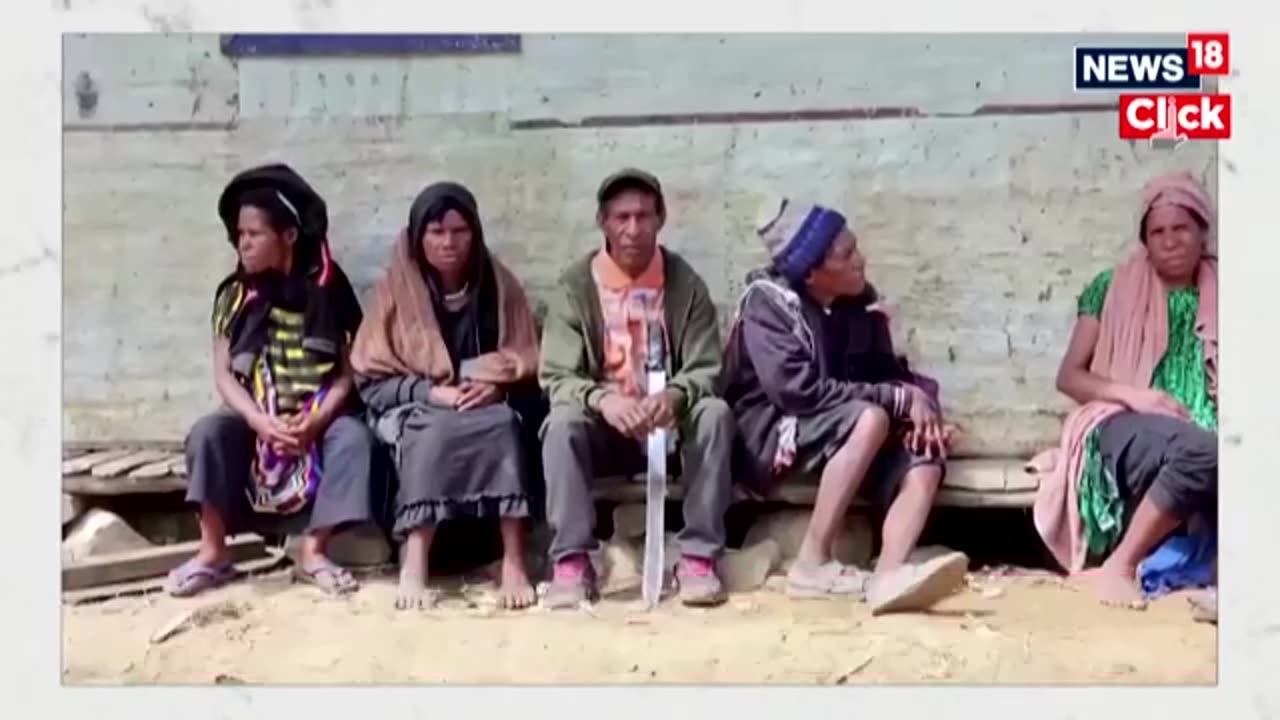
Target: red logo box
(1208, 54)
(1191, 116)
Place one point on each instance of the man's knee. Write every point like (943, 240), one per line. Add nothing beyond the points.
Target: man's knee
(925, 476)
(871, 426)
(565, 423)
(712, 415)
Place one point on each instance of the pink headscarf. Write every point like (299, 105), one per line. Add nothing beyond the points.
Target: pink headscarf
(1133, 336)
(1182, 189)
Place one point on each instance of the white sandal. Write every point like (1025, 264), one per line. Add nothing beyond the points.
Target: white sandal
(829, 580)
(916, 587)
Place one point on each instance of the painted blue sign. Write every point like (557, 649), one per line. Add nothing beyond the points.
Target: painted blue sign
(300, 44)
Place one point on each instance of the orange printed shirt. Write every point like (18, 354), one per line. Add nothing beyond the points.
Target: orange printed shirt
(628, 305)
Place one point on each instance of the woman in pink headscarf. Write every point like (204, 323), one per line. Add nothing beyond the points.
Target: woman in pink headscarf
(1139, 456)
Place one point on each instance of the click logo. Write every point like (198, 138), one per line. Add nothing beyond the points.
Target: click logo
(1173, 119)
(1172, 108)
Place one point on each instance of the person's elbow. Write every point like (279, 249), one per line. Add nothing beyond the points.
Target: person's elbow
(1065, 382)
(226, 386)
(1073, 382)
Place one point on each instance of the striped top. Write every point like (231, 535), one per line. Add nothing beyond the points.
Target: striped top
(293, 372)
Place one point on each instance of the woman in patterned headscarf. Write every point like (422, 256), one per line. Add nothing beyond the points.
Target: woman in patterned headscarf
(1139, 456)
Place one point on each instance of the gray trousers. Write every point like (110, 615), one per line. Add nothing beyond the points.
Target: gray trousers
(1171, 461)
(577, 448)
(220, 450)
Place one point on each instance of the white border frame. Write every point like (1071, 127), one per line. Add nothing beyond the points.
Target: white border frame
(30, 293)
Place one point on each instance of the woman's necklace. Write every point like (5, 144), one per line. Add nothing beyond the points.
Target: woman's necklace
(457, 300)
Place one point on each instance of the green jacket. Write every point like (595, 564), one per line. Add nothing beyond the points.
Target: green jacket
(573, 339)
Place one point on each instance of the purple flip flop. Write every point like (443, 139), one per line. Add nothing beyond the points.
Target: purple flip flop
(192, 578)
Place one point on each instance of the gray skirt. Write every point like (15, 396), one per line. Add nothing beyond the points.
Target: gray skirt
(1171, 461)
(220, 450)
(453, 464)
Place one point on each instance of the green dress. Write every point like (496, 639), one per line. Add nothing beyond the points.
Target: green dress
(1180, 373)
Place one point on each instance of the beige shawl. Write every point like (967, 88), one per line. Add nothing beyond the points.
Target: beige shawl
(400, 334)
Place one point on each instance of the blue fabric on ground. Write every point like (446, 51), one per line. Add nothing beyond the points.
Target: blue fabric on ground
(1182, 561)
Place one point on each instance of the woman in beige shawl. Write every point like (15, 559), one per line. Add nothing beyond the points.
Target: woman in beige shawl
(445, 361)
(1139, 456)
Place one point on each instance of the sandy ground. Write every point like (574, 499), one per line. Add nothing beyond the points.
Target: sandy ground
(1002, 629)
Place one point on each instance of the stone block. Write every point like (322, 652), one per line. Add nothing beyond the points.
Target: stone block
(100, 532)
(628, 521)
(747, 569)
(787, 529)
(360, 546)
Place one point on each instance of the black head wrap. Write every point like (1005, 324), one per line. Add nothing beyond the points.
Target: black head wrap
(430, 206)
(316, 285)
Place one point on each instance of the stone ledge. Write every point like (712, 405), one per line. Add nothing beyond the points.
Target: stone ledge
(970, 482)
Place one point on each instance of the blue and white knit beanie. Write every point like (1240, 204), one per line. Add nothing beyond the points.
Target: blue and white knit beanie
(798, 236)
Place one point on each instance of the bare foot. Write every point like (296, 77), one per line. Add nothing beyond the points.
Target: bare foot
(213, 556)
(1119, 588)
(413, 593)
(515, 591)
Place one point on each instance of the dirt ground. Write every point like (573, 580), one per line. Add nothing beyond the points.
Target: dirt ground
(1004, 628)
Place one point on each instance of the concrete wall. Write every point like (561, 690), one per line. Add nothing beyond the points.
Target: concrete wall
(985, 192)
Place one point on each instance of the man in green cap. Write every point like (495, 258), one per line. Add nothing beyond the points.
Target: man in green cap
(593, 360)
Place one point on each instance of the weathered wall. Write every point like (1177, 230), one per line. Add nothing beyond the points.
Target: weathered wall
(982, 215)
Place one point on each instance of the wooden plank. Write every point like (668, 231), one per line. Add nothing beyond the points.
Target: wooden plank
(84, 446)
(89, 485)
(979, 475)
(127, 463)
(87, 462)
(1018, 479)
(149, 562)
(161, 468)
(259, 566)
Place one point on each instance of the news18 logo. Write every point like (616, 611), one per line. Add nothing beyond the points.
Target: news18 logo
(1172, 109)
